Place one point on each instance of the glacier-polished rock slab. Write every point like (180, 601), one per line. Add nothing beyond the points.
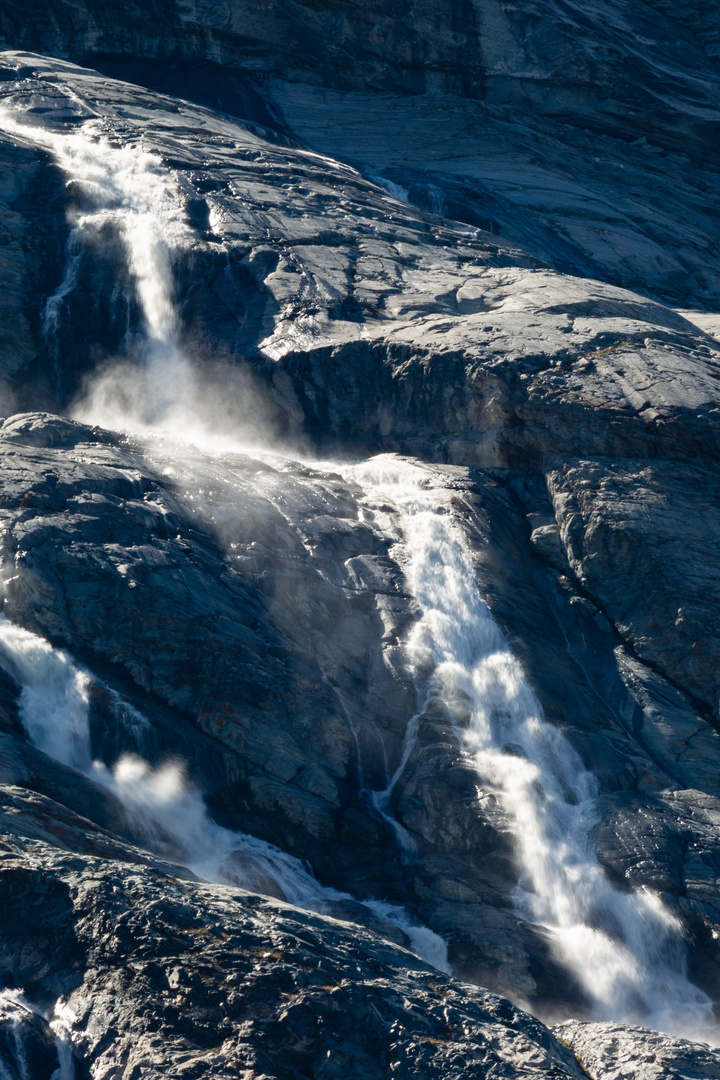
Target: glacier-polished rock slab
(252, 608)
(160, 977)
(368, 324)
(620, 1052)
(477, 351)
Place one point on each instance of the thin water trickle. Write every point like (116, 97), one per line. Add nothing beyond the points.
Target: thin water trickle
(381, 799)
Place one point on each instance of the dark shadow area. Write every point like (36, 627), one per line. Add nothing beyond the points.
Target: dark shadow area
(473, 204)
(218, 88)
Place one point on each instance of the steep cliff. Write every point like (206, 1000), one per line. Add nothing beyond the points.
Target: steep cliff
(465, 698)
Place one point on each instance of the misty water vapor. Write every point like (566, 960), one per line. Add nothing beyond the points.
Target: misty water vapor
(624, 949)
(166, 810)
(163, 382)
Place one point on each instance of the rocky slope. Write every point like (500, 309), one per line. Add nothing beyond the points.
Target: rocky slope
(612, 1051)
(474, 235)
(162, 977)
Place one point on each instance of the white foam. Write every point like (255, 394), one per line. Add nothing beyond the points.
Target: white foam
(625, 949)
(166, 808)
(14, 1010)
(123, 191)
(53, 698)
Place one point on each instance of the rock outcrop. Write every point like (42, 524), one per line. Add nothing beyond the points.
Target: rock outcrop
(163, 977)
(265, 644)
(614, 1051)
(589, 134)
(478, 236)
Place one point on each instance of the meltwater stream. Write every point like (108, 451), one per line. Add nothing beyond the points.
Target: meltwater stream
(126, 189)
(124, 192)
(163, 805)
(17, 1018)
(625, 949)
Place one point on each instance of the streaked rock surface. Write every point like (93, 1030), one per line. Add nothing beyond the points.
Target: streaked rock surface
(161, 976)
(483, 236)
(616, 1052)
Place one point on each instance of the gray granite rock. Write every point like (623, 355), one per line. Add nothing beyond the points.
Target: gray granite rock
(512, 323)
(471, 342)
(191, 610)
(264, 646)
(618, 1052)
(641, 536)
(163, 977)
(552, 126)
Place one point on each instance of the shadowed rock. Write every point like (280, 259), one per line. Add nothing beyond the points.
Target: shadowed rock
(461, 236)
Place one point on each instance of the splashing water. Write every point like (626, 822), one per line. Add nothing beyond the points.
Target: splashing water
(165, 808)
(625, 949)
(129, 191)
(53, 706)
(126, 190)
(61, 1026)
(15, 1010)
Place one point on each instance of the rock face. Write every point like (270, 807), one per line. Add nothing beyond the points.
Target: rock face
(163, 977)
(653, 566)
(587, 133)
(478, 236)
(276, 631)
(614, 1051)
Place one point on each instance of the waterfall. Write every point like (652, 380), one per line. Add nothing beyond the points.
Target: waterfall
(15, 1013)
(625, 949)
(61, 1026)
(126, 190)
(165, 807)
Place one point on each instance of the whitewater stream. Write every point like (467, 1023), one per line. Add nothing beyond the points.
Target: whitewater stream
(624, 948)
(16, 1015)
(157, 389)
(165, 807)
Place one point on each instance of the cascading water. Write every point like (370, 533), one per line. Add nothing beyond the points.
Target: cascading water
(17, 1019)
(13, 1011)
(126, 190)
(165, 808)
(625, 949)
(130, 191)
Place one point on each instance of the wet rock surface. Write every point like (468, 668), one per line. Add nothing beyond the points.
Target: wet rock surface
(469, 340)
(160, 976)
(481, 237)
(266, 648)
(614, 1051)
(589, 132)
